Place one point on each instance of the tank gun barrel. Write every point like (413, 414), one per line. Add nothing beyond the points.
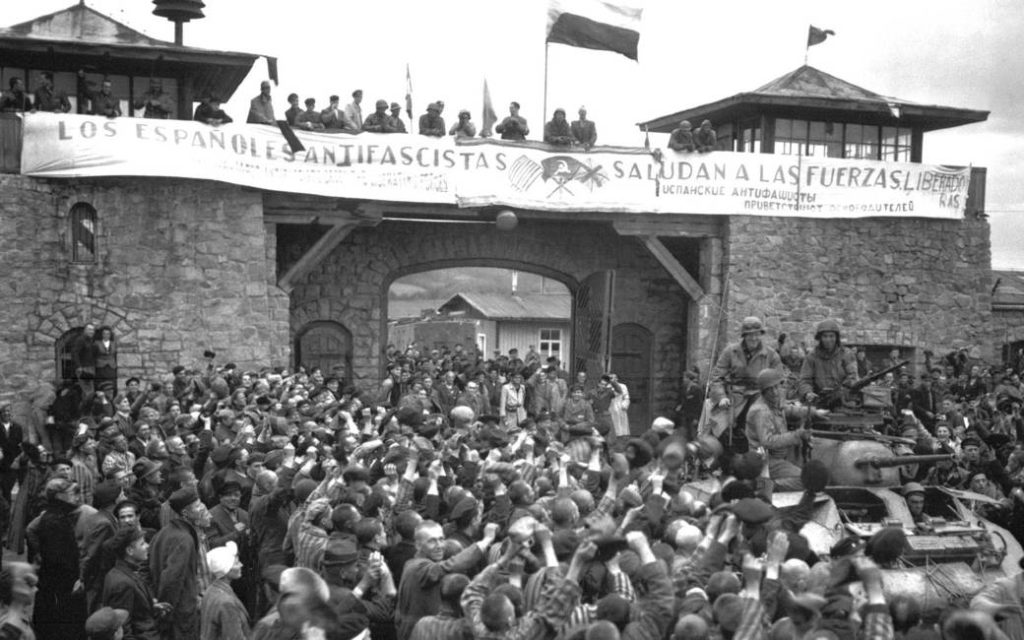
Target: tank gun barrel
(898, 461)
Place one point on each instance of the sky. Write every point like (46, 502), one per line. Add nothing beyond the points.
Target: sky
(944, 52)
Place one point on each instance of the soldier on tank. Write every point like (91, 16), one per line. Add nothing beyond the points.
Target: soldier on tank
(767, 429)
(828, 370)
(734, 378)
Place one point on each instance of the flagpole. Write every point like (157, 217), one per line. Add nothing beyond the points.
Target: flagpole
(544, 114)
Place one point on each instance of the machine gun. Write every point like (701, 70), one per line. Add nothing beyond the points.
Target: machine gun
(833, 399)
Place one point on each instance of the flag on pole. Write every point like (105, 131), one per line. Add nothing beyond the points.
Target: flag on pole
(408, 91)
(608, 25)
(489, 116)
(817, 36)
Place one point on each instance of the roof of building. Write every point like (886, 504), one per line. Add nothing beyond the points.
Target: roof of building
(400, 309)
(1007, 289)
(80, 37)
(526, 306)
(811, 93)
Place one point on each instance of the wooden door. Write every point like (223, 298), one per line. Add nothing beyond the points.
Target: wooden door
(593, 310)
(632, 351)
(327, 345)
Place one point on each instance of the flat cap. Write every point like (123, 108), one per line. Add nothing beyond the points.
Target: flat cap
(753, 511)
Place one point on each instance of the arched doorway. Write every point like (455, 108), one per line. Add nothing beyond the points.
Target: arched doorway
(325, 344)
(632, 352)
(64, 352)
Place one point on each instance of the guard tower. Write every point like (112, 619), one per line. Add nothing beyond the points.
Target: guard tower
(81, 38)
(813, 113)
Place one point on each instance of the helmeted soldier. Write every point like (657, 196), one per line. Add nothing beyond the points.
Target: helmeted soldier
(830, 368)
(734, 378)
(767, 429)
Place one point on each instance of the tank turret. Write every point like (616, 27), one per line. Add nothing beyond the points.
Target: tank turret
(867, 463)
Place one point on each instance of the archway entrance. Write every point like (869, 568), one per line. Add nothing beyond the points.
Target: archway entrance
(632, 350)
(487, 311)
(351, 280)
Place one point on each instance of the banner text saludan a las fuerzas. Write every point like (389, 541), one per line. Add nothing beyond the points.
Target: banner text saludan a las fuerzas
(413, 168)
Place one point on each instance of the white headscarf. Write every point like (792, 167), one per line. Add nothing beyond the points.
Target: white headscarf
(221, 559)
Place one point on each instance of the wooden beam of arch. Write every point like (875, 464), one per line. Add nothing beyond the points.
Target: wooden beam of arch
(676, 270)
(316, 254)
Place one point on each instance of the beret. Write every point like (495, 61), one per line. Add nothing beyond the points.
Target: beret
(815, 476)
(845, 547)
(747, 466)
(105, 494)
(753, 511)
(182, 498)
(886, 545)
(608, 546)
(464, 506)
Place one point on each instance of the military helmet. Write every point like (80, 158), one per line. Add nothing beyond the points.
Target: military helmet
(824, 327)
(912, 487)
(751, 324)
(769, 378)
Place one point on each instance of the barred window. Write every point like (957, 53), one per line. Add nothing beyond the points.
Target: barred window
(83, 233)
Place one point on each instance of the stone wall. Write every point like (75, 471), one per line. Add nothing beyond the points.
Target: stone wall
(181, 266)
(912, 282)
(351, 285)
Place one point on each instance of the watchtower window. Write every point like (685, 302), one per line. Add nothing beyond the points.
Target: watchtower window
(83, 233)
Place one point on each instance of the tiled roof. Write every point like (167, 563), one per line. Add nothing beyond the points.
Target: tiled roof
(1008, 289)
(539, 306)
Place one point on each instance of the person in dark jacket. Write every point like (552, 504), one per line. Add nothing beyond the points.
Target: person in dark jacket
(174, 564)
(125, 587)
(98, 528)
(59, 608)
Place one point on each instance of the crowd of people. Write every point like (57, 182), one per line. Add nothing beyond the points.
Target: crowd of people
(469, 498)
(386, 118)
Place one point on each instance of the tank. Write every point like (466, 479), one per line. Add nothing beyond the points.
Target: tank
(853, 460)
(945, 563)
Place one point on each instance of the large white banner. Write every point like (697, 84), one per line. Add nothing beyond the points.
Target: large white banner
(412, 168)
